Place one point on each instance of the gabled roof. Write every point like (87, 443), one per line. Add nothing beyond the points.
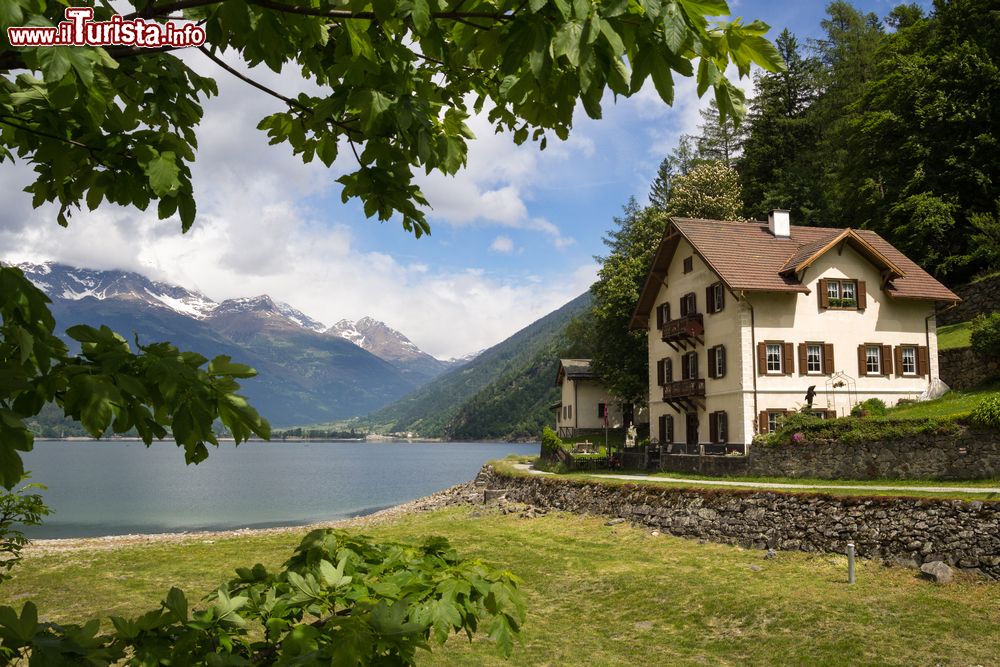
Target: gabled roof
(574, 369)
(748, 258)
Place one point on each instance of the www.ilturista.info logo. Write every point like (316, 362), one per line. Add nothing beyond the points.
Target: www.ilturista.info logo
(79, 29)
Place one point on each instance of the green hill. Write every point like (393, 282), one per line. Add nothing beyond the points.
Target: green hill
(503, 393)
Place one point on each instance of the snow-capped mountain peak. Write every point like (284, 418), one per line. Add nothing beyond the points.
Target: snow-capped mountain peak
(60, 281)
(378, 338)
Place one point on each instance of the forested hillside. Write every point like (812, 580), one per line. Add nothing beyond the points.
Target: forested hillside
(504, 393)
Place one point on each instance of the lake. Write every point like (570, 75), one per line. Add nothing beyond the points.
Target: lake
(117, 488)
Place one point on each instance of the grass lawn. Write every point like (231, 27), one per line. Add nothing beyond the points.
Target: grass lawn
(954, 336)
(598, 595)
(953, 404)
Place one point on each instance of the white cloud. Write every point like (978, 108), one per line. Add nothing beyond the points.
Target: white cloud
(502, 244)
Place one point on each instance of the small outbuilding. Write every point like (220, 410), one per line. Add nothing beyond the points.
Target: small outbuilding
(585, 401)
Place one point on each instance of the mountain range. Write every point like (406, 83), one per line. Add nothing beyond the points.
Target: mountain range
(309, 373)
(504, 393)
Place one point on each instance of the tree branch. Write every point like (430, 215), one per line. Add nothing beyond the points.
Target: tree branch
(6, 120)
(273, 93)
(338, 14)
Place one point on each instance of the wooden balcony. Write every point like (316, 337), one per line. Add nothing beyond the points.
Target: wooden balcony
(684, 332)
(685, 395)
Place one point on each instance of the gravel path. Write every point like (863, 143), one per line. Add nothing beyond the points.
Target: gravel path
(460, 494)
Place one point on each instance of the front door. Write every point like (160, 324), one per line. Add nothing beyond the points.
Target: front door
(692, 428)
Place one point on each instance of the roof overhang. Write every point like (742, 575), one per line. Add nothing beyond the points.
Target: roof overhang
(863, 247)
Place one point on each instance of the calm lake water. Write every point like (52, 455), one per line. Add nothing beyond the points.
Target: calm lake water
(116, 488)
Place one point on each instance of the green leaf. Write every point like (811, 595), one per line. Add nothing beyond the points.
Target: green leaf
(567, 42)
(663, 79)
(176, 604)
(706, 7)
(421, 15)
(163, 173)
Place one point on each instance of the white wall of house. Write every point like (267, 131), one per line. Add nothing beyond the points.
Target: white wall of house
(787, 317)
(582, 397)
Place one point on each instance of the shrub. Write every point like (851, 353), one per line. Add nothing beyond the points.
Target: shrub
(984, 335)
(873, 407)
(987, 413)
(550, 441)
(17, 508)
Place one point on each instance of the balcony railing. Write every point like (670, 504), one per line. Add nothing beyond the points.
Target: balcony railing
(682, 389)
(684, 329)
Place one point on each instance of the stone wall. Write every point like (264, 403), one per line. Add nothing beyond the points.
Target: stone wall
(970, 455)
(914, 530)
(693, 464)
(964, 369)
(979, 297)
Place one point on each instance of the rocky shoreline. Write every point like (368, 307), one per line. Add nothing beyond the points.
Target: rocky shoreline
(461, 494)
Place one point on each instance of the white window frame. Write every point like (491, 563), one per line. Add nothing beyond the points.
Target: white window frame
(912, 350)
(717, 298)
(767, 357)
(773, 419)
(873, 362)
(810, 370)
(833, 289)
(853, 290)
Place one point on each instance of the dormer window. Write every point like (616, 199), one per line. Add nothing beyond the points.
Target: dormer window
(688, 264)
(842, 294)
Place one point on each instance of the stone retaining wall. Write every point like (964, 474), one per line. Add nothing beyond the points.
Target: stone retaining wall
(963, 369)
(970, 455)
(979, 297)
(912, 530)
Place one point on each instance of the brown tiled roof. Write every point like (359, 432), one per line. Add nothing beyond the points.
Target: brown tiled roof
(574, 369)
(748, 258)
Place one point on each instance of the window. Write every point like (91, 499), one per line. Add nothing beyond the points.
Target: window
(691, 423)
(569, 412)
(717, 361)
(689, 305)
(774, 357)
(873, 359)
(600, 410)
(769, 420)
(842, 294)
(662, 314)
(814, 358)
(666, 424)
(688, 264)
(715, 298)
(909, 360)
(689, 366)
(718, 427)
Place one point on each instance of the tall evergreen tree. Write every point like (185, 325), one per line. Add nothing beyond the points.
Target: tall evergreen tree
(680, 162)
(720, 140)
(778, 168)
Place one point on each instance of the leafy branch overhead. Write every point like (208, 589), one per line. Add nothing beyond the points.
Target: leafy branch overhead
(398, 81)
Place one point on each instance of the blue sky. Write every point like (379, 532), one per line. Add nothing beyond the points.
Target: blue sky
(514, 235)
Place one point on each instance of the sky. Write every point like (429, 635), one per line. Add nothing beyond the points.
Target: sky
(514, 235)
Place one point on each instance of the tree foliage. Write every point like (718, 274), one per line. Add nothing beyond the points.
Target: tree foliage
(711, 191)
(340, 599)
(620, 355)
(20, 507)
(396, 83)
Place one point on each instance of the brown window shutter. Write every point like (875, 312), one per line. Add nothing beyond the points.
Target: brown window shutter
(828, 358)
(761, 359)
(923, 361)
(709, 301)
(720, 370)
(722, 297)
(663, 429)
(862, 295)
(824, 296)
(712, 370)
(887, 360)
(803, 368)
(670, 428)
(694, 303)
(861, 361)
(897, 359)
(684, 305)
(788, 363)
(693, 365)
(713, 428)
(668, 370)
(660, 372)
(659, 316)
(762, 422)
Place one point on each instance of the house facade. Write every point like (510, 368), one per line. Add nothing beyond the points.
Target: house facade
(745, 319)
(584, 401)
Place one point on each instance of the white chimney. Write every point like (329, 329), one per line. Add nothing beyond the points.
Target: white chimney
(779, 223)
